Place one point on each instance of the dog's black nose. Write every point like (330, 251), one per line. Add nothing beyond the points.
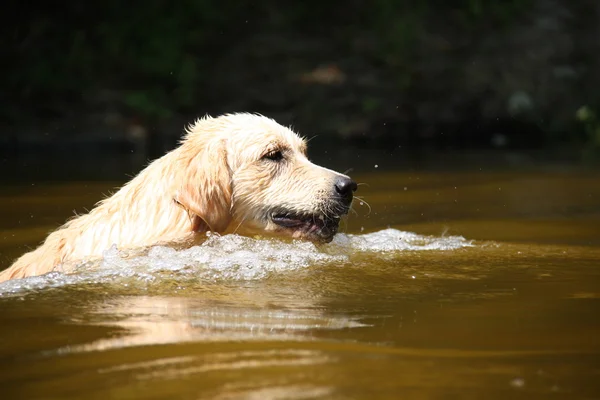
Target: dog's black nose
(345, 186)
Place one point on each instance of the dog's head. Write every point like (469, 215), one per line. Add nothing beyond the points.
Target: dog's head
(250, 174)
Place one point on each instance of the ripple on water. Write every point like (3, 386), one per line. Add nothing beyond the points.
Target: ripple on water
(234, 257)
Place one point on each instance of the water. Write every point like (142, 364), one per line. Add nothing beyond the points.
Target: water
(472, 284)
(233, 257)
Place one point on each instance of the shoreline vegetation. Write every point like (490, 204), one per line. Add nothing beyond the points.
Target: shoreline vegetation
(426, 74)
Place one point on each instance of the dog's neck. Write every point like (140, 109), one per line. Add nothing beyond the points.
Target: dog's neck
(141, 213)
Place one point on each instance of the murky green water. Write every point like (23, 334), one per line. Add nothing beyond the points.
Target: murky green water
(510, 311)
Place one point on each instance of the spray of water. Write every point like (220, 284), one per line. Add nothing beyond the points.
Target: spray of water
(234, 257)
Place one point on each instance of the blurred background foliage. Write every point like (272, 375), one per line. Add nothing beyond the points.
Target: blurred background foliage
(512, 71)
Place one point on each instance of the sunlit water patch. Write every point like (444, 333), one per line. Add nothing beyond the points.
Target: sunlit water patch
(233, 257)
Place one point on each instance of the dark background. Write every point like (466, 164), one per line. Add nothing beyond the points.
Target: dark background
(400, 83)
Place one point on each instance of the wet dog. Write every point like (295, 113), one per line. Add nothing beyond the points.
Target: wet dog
(240, 173)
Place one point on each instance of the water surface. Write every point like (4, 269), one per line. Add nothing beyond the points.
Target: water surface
(467, 284)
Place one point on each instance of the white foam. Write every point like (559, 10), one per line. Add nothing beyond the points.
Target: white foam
(233, 257)
(390, 240)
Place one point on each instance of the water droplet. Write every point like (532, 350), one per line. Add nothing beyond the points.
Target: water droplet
(517, 383)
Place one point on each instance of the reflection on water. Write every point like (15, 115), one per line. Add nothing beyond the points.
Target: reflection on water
(162, 320)
(480, 285)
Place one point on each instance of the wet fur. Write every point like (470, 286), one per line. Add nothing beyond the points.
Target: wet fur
(216, 180)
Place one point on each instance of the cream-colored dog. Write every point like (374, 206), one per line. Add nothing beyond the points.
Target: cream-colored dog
(240, 173)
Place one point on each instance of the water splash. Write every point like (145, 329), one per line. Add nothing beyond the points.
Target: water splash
(234, 257)
(392, 240)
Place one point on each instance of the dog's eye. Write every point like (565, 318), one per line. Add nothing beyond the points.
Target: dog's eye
(275, 155)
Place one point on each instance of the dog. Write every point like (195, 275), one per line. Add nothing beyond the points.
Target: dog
(236, 173)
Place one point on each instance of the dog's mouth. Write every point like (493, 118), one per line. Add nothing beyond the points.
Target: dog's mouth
(317, 227)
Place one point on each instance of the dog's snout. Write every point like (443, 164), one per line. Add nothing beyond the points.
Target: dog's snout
(345, 186)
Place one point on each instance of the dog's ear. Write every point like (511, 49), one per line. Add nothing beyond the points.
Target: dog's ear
(205, 192)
